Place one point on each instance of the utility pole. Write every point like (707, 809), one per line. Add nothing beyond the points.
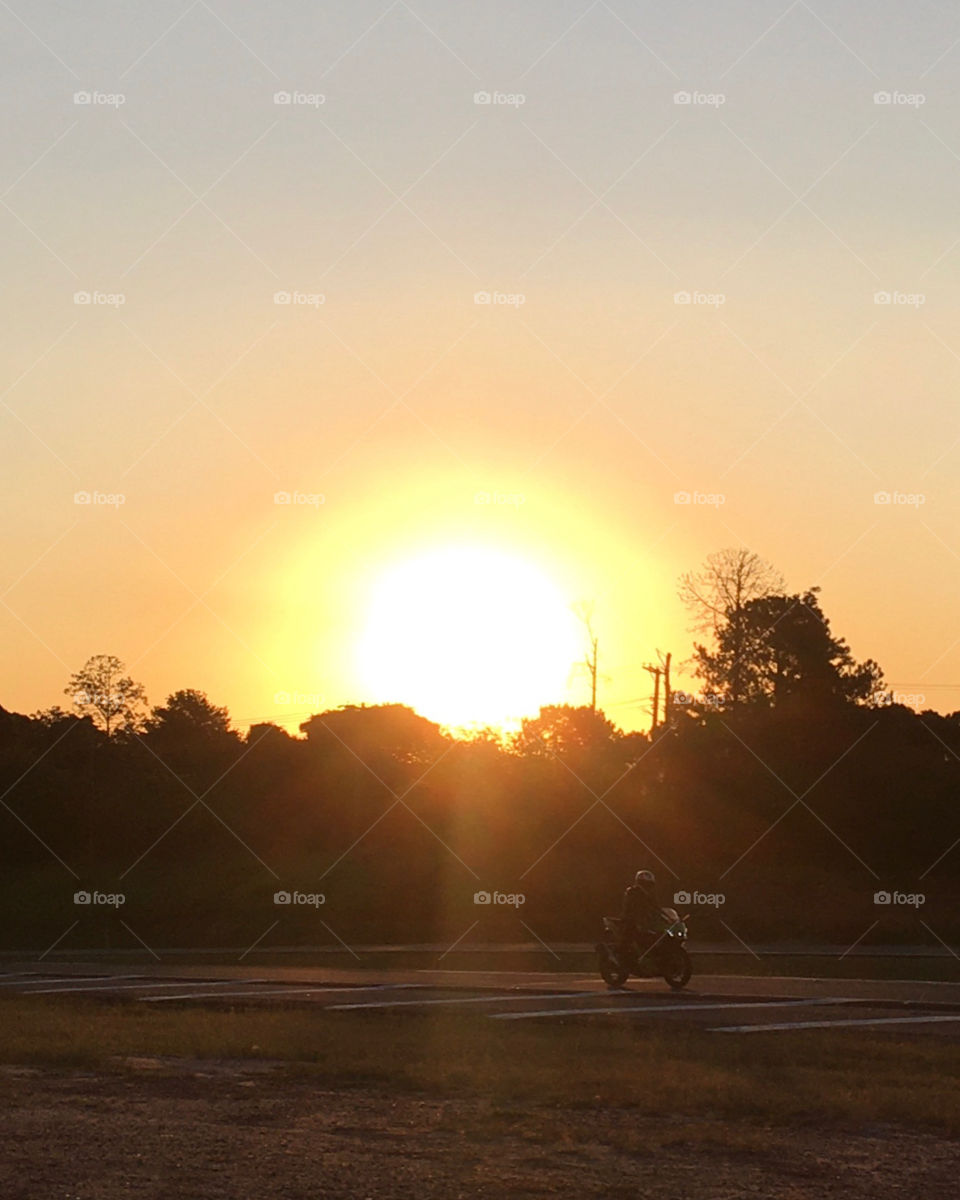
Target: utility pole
(656, 672)
(667, 695)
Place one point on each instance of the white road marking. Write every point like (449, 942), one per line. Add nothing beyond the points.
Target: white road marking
(32, 977)
(930, 1020)
(647, 1008)
(460, 1000)
(303, 990)
(513, 974)
(822, 979)
(67, 979)
(142, 982)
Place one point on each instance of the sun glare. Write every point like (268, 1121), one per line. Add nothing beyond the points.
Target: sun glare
(468, 636)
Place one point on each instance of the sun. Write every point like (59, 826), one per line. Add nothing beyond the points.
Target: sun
(468, 635)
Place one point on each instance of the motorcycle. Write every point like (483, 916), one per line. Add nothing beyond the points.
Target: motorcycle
(665, 954)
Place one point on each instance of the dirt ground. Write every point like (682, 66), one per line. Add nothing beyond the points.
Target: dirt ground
(158, 1130)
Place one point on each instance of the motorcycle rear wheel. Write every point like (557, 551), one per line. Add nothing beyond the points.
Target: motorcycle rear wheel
(611, 971)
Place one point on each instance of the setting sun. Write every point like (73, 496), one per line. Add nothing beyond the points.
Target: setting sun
(468, 635)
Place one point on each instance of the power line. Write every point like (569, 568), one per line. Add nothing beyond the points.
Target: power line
(954, 686)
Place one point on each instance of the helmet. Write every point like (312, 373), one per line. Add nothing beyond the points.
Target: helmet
(644, 877)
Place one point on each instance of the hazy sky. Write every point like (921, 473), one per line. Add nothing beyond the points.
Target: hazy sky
(785, 198)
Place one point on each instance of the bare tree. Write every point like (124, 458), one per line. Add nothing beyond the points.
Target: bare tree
(728, 580)
(102, 691)
(717, 595)
(584, 610)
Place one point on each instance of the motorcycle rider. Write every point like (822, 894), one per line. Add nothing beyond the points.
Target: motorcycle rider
(640, 910)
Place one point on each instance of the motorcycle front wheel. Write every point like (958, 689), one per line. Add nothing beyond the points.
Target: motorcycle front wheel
(611, 971)
(679, 968)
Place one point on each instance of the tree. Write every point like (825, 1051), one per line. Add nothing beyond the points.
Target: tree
(189, 714)
(370, 732)
(563, 728)
(591, 660)
(192, 737)
(727, 581)
(53, 716)
(782, 647)
(270, 734)
(100, 690)
(716, 597)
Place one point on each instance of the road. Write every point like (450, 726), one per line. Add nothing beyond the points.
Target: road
(734, 1004)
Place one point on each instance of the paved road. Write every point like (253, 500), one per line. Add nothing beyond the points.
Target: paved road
(724, 1003)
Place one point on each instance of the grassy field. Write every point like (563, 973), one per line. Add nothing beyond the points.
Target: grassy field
(816, 1076)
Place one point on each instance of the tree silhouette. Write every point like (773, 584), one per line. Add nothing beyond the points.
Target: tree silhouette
(781, 646)
(393, 814)
(188, 713)
(368, 731)
(562, 729)
(591, 660)
(100, 690)
(716, 596)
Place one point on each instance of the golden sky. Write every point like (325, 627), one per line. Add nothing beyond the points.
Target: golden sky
(483, 299)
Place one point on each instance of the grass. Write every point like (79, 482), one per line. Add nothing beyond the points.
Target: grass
(779, 1079)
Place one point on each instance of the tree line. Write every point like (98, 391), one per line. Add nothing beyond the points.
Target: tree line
(789, 784)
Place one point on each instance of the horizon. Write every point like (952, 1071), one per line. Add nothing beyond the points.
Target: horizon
(697, 696)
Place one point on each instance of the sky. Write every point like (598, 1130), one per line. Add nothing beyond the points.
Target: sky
(581, 290)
